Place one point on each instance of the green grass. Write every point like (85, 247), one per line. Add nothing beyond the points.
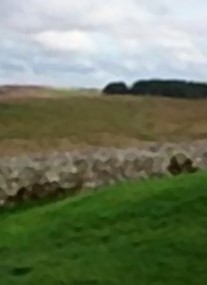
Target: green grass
(146, 233)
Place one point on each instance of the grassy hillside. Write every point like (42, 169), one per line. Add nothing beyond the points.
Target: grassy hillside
(149, 233)
(78, 121)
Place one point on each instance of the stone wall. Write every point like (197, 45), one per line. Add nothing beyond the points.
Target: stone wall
(41, 176)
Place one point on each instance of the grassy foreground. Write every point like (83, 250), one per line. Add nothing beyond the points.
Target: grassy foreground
(153, 232)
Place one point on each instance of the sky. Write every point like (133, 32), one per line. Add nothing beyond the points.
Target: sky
(87, 43)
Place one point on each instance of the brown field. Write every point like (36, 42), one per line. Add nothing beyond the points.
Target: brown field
(31, 121)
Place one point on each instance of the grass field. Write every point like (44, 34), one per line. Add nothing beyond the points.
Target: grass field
(146, 233)
(64, 122)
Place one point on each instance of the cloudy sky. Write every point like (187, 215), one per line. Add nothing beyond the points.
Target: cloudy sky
(90, 42)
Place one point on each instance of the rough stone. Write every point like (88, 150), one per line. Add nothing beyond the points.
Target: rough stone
(41, 176)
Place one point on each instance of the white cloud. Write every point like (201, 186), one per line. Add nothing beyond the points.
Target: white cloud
(74, 41)
(192, 56)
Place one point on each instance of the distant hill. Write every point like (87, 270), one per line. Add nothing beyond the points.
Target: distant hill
(166, 88)
(23, 91)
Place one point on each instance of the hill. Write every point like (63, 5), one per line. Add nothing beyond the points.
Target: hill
(17, 92)
(78, 121)
(153, 232)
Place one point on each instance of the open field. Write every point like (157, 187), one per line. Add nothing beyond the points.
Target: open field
(77, 119)
(14, 92)
(153, 232)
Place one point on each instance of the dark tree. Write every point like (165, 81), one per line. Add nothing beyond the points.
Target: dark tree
(170, 88)
(165, 88)
(116, 88)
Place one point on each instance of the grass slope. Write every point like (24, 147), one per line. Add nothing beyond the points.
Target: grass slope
(153, 232)
(71, 121)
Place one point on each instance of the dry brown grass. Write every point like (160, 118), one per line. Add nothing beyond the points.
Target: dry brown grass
(81, 121)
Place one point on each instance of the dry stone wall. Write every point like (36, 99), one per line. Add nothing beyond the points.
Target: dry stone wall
(41, 176)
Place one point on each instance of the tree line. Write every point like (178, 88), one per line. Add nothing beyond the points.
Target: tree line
(166, 88)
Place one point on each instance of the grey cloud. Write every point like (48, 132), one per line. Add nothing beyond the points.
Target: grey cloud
(131, 39)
